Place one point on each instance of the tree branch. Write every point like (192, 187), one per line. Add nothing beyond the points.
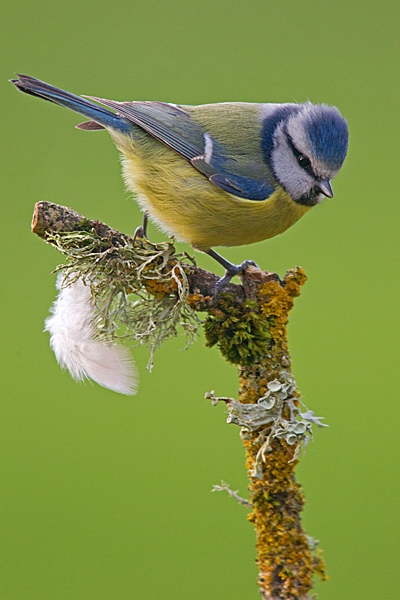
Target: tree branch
(248, 324)
(50, 218)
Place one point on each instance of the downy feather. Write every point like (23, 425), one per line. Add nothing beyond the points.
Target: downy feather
(76, 348)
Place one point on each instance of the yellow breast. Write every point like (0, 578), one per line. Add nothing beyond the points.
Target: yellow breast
(185, 204)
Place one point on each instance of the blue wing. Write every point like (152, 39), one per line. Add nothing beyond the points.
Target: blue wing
(175, 127)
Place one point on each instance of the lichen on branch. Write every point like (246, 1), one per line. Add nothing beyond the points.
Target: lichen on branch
(248, 325)
(140, 290)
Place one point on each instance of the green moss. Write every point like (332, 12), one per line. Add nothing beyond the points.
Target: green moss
(239, 330)
(84, 225)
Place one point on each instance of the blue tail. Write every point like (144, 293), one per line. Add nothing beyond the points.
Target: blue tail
(88, 109)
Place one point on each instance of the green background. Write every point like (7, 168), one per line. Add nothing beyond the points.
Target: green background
(108, 497)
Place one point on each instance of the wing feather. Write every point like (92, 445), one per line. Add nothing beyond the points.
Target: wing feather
(166, 122)
(174, 126)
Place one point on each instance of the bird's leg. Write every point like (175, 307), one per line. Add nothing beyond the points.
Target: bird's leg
(141, 231)
(230, 269)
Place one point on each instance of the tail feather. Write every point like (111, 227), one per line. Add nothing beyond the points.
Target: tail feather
(99, 114)
(76, 349)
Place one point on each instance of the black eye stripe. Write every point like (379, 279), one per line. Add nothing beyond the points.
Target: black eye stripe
(299, 156)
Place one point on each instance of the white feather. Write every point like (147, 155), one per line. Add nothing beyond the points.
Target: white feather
(76, 348)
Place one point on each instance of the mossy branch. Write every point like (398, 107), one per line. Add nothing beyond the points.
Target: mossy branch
(49, 219)
(248, 324)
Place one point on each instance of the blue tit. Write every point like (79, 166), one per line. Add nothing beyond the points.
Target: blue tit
(217, 174)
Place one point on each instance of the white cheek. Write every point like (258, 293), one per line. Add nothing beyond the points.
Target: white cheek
(290, 175)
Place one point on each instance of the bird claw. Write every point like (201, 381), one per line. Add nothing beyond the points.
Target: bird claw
(247, 263)
(231, 272)
(139, 233)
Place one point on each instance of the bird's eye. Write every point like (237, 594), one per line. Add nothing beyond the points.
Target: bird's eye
(303, 161)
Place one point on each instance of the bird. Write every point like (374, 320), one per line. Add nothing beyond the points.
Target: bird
(225, 174)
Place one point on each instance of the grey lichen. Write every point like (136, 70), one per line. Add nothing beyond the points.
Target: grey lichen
(225, 487)
(139, 290)
(267, 418)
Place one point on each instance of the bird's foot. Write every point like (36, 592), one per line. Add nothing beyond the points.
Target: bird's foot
(141, 231)
(231, 271)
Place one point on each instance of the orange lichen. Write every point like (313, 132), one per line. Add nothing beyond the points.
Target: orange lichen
(286, 562)
(159, 287)
(277, 301)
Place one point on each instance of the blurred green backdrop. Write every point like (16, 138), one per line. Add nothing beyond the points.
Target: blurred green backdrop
(106, 497)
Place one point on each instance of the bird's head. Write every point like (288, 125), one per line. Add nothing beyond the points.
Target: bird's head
(309, 145)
